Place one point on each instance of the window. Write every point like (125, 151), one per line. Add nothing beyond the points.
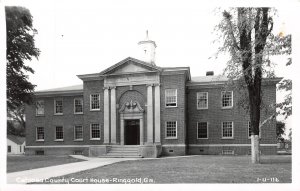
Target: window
(9, 149)
(95, 131)
(227, 130)
(40, 108)
(249, 130)
(78, 105)
(20, 149)
(95, 102)
(59, 133)
(40, 134)
(58, 107)
(171, 97)
(202, 130)
(78, 132)
(227, 99)
(228, 152)
(171, 129)
(202, 100)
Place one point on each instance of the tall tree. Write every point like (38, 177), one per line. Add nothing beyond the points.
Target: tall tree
(247, 35)
(20, 47)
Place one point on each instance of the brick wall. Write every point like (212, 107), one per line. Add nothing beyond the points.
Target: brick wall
(68, 120)
(215, 115)
(173, 81)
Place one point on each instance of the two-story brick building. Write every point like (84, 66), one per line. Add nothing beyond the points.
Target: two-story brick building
(136, 108)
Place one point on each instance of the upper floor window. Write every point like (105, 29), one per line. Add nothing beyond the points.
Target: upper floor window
(171, 97)
(227, 99)
(95, 102)
(202, 130)
(59, 133)
(227, 130)
(171, 129)
(40, 134)
(95, 131)
(58, 106)
(78, 105)
(40, 107)
(202, 100)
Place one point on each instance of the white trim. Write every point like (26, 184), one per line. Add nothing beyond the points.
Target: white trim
(76, 113)
(206, 129)
(91, 102)
(62, 105)
(232, 137)
(57, 146)
(174, 145)
(202, 108)
(166, 131)
(166, 98)
(229, 145)
(227, 107)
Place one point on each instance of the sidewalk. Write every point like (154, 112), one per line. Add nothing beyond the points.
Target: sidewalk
(39, 174)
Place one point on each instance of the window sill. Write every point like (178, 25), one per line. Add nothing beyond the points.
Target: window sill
(227, 107)
(95, 109)
(227, 138)
(95, 139)
(59, 140)
(78, 113)
(171, 138)
(78, 140)
(40, 140)
(202, 108)
(202, 138)
(58, 114)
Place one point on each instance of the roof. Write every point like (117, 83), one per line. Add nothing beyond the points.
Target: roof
(205, 79)
(67, 89)
(18, 140)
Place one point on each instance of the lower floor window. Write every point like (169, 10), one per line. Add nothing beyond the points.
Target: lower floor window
(78, 132)
(227, 129)
(59, 133)
(95, 131)
(171, 129)
(202, 130)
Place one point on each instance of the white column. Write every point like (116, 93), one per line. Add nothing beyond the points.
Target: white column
(157, 113)
(149, 114)
(141, 131)
(122, 131)
(113, 115)
(106, 115)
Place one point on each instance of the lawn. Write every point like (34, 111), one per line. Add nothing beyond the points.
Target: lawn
(193, 169)
(20, 163)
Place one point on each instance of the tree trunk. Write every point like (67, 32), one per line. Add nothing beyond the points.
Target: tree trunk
(255, 151)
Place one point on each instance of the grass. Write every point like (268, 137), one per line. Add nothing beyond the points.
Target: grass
(23, 162)
(195, 169)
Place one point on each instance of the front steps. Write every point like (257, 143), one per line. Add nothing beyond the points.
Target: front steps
(123, 151)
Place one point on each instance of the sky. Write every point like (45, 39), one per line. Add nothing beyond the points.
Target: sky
(81, 37)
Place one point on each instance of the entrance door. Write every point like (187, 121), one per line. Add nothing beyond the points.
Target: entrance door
(132, 132)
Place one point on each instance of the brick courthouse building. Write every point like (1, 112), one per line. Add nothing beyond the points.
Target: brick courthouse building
(137, 109)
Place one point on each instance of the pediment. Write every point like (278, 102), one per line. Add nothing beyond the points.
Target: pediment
(130, 65)
(131, 107)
